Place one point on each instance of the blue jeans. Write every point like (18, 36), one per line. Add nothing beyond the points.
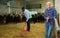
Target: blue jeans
(49, 28)
(28, 25)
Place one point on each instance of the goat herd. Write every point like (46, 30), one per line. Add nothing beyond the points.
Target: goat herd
(15, 18)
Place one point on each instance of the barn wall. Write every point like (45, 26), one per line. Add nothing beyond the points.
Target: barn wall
(42, 2)
(5, 10)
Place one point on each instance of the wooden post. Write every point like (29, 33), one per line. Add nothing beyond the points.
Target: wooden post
(56, 28)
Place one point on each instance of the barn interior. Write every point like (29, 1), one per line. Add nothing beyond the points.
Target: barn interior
(12, 20)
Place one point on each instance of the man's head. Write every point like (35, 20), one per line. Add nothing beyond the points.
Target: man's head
(48, 5)
(23, 8)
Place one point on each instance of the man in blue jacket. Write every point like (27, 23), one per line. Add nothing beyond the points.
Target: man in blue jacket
(49, 15)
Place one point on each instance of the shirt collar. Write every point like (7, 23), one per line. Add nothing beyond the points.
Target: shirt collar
(50, 8)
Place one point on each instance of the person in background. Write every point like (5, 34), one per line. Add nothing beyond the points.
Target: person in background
(28, 17)
(49, 15)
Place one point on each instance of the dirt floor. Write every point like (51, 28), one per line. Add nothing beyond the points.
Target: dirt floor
(14, 30)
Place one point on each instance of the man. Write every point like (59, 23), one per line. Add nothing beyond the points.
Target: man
(28, 17)
(49, 15)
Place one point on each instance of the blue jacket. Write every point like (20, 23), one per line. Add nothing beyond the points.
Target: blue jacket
(51, 13)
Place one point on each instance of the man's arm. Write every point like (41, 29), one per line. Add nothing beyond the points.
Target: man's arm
(54, 14)
(46, 16)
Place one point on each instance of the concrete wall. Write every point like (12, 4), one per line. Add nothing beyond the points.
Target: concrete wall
(42, 2)
(57, 6)
(59, 12)
(5, 10)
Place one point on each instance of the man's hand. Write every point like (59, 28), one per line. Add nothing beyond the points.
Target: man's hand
(47, 19)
